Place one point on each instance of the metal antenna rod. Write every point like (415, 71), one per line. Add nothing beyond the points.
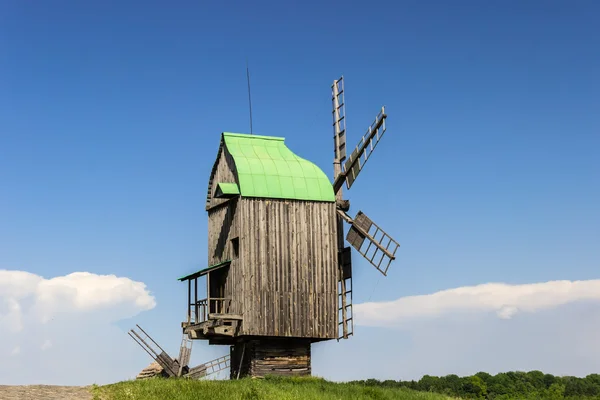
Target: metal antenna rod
(249, 97)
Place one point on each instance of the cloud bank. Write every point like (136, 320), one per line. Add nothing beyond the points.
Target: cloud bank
(66, 320)
(550, 326)
(79, 292)
(503, 299)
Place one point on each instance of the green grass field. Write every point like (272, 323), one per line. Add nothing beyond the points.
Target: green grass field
(250, 389)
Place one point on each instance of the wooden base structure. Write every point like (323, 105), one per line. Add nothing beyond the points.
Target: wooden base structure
(270, 356)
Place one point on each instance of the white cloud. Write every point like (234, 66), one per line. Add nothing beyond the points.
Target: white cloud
(551, 326)
(46, 345)
(65, 320)
(84, 291)
(503, 299)
(11, 317)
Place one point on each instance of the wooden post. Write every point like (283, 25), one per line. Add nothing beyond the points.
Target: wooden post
(208, 292)
(189, 307)
(241, 360)
(196, 299)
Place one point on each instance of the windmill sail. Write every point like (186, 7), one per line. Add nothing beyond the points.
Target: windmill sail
(146, 342)
(357, 160)
(175, 367)
(339, 120)
(372, 242)
(185, 352)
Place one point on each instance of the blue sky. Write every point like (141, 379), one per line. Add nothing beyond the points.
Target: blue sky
(110, 115)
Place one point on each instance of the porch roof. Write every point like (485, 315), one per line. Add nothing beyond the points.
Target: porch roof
(205, 271)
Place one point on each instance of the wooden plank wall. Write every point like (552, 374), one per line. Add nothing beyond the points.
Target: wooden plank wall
(283, 357)
(288, 258)
(222, 227)
(224, 173)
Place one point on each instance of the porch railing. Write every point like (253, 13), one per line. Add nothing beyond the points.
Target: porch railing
(215, 305)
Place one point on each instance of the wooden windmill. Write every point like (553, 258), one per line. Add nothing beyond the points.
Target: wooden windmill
(279, 275)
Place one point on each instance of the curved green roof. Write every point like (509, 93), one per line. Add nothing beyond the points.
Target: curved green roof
(267, 168)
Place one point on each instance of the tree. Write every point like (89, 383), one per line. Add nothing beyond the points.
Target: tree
(549, 380)
(536, 379)
(474, 387)
(484, 376)
(453, 384)
(556, 391)
(430, 383)
(502, 384)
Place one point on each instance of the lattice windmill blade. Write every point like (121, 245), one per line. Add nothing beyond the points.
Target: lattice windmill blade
(357, 160)
(371, 241)
(217, 365)
(185, 353)
(339, 120)
(170, 366)
(209, 368)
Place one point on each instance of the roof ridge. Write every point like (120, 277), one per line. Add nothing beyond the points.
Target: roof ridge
(252, 136)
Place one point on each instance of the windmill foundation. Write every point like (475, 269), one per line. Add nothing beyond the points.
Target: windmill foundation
(270, 356)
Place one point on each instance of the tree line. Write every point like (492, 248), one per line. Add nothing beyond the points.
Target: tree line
(503, 386)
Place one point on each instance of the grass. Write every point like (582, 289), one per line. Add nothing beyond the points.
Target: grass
(271, 388)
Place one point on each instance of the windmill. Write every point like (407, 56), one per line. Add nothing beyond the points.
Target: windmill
(279, 275)
(364, 235)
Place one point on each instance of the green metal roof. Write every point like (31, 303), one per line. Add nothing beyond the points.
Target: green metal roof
(204, 271)
(267, 168)
(227, 189)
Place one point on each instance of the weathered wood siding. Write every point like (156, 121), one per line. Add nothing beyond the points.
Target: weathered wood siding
(224, 172)
(288, 267)
(222, 228)
(283, 281)
(284, 357)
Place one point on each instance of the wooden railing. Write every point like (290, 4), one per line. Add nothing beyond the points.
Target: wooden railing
(200, 310)
(219, 305)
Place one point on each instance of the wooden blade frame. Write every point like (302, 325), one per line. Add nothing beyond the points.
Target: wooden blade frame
(154, 350)
(339, 150)
(357, 160)
(339, 120)
(217, 365)
(185, 353)
(381, 248)
(345, 311)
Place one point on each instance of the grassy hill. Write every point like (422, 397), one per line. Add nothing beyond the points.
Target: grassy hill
(253, 389)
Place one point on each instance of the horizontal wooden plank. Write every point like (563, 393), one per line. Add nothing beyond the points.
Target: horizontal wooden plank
(236, 317)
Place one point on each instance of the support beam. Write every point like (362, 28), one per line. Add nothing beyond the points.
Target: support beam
(189, 307)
